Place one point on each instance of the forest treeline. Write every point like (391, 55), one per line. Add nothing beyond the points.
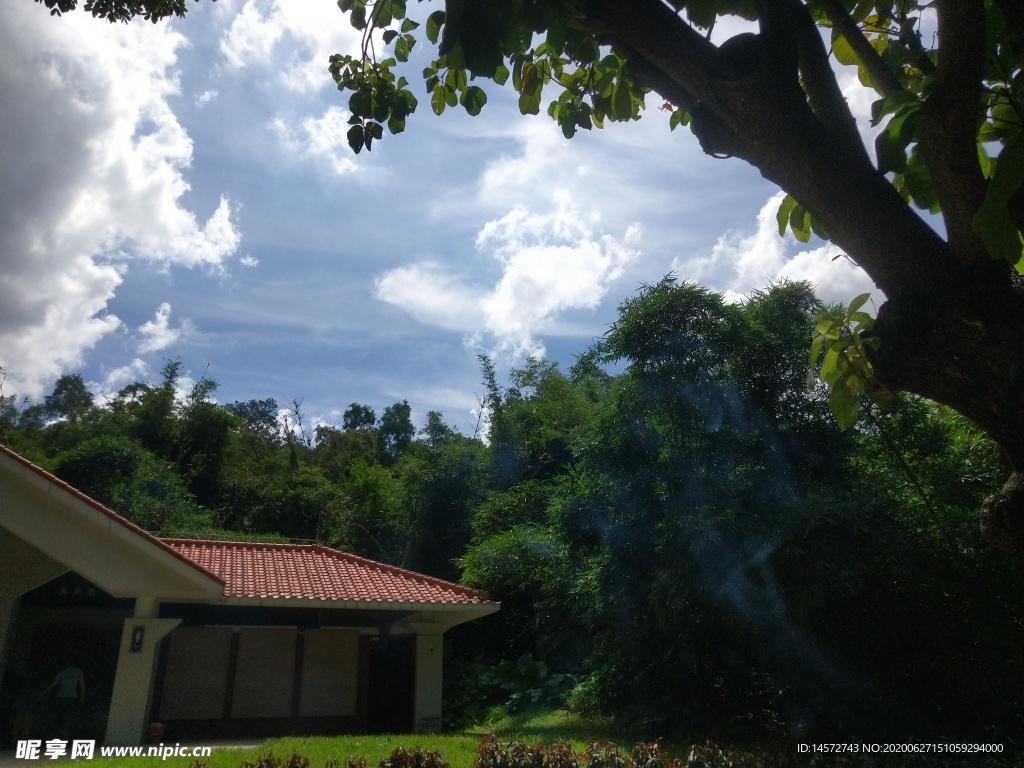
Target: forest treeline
(680, 535)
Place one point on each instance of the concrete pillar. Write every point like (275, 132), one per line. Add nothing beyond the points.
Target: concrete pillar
(136, 670)
(427, 703)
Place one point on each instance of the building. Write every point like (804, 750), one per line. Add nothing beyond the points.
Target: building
(212, 639)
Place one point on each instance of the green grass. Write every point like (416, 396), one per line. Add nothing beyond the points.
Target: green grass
(554, 725)
(458, 749)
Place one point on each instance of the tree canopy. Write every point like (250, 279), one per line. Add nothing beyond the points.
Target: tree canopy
(949, 90)
(677, 529)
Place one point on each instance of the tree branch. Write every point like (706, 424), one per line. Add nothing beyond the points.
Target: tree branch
(882, 77)
(951, 114)
(819, 81)
(761, 114)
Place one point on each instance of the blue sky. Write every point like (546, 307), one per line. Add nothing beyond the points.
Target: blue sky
(185, 190)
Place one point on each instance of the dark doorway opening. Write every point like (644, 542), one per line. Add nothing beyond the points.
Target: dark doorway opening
(392, 684)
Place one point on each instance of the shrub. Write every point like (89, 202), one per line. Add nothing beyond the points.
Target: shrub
(417, 757)
(491, 754)
(561, 756)
(597, 755)
(269, 761)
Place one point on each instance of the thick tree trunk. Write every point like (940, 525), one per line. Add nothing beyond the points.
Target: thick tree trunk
(965, 348)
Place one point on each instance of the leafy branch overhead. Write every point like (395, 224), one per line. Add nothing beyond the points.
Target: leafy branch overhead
(486, 41)
(846, 343)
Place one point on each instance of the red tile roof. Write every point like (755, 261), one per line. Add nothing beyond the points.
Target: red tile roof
(314, 572)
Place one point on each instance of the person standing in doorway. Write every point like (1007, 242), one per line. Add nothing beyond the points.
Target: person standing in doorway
(70, 686)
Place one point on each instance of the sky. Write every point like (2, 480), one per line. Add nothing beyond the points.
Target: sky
(184, 191)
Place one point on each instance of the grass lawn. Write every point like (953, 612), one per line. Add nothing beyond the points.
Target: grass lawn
(458, 749)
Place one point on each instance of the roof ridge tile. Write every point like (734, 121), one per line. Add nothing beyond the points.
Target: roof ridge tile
(315, 571)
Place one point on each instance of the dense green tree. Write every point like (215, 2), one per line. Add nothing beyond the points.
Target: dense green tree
(259, 425)
(203, 429)
(443, 484)
(436, 433)
(377, 525)
(69, 399)
(336, 451)
(535, 423)
(733, 558)
(121, 474)
(395, 431)
(153, 414)
(358, 417)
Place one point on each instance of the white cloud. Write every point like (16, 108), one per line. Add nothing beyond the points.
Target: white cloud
(297, 37)
(91, 177)
(742, 263)
(117, 378)
(319, 138)
(551, 263)
(157, 334)
(249, 261)
(431, 295)
(206, 97)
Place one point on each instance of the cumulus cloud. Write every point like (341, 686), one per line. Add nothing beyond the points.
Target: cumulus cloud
(91, 177)
(118, 378)
(550, 264)
(312, 30)
(157, 334)
(742, 263)
(206, 97)
(319, 139)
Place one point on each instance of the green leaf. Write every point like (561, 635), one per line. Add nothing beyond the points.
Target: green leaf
(409, 25)
(437, 99)
(785, 209)
(473, 99)
(844, 406)
(679, 117)
(529, 96)
(993, 221)
(358, 17)
(841, 49)
(396, 123)
(355, 138)
(857, 303)
(799, 223)
(382, 13)
(402, 48)
(456, 80)
(891, 104)
(361, 103)
(434, 23)
(984, 161)
(501, 75)
(817, 228)
(622, 100)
